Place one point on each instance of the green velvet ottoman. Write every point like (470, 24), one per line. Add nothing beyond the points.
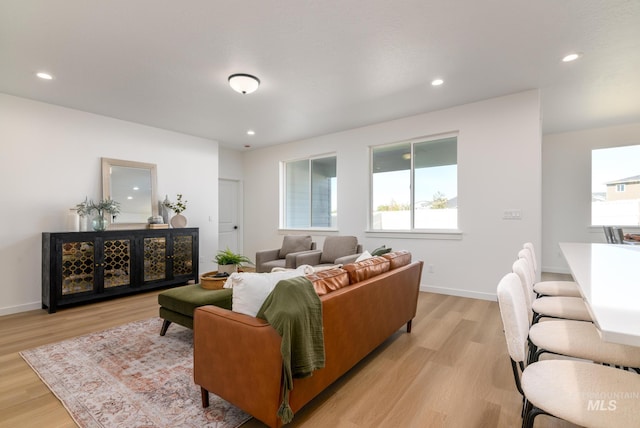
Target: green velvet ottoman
(178, 304)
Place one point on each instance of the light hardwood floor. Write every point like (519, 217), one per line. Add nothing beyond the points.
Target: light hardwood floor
(451, 371)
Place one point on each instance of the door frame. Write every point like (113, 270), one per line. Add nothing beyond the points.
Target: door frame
(239, 210)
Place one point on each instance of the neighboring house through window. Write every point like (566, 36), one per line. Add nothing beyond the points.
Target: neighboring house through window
(615, 186)
(310, 193)
(414, 185)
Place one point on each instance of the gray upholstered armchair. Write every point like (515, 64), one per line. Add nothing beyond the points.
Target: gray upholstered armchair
(284, 257)
(335, 250)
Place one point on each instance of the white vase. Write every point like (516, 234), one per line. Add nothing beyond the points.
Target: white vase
(84, 223)
(73, 220)
(228, 268)
(178, 221)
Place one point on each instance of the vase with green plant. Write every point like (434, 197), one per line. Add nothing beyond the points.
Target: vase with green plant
(228, 261)
(105, 206)
(178, 220)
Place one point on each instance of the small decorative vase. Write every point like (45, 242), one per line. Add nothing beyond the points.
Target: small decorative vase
(178, 221)
(99, 223)
(84, 223)
(73, 221)
(164, 211)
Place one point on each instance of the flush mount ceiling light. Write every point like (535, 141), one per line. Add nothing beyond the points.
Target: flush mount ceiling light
(251, 132)
(437, 82)
(244, 83)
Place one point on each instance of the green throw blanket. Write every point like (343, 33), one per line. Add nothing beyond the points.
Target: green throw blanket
(294, 309)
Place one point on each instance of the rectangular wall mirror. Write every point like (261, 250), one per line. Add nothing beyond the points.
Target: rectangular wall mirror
(133, 185)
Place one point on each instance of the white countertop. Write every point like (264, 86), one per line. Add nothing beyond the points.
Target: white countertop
(609, 280)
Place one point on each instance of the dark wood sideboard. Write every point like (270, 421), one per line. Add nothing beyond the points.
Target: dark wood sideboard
(80, 267)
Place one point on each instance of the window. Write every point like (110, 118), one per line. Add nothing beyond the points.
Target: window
(429, 167)
(310, 193)
(615, 186)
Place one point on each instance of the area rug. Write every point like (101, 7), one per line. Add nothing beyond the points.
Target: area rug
(130, 376)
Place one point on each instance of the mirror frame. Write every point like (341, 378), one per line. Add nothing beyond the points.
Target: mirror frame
(107, 163)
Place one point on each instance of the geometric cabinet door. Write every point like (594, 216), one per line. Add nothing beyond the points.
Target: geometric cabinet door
(89, 264)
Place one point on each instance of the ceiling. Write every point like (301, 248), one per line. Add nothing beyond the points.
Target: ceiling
(324, 65)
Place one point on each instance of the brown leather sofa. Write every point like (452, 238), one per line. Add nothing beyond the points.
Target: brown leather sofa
(237, 357)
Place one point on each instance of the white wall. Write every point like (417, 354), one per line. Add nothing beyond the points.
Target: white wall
(230, 165)
(50, 160)
(499, 167)
(566, 187)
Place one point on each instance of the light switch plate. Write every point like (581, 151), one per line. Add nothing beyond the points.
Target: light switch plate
(512, 214)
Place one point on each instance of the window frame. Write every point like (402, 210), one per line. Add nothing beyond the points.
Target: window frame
(413, 232)
(283, 193)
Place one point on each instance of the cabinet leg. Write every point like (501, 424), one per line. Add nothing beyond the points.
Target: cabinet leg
(409, 326)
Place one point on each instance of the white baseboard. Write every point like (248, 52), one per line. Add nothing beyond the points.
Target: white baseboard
(458, 292)
(20, 308)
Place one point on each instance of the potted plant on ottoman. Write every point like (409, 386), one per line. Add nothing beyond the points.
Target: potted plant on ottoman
(228, 261)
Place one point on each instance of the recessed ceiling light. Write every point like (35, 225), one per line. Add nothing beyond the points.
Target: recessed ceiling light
(136, 188)
(437, 82)
(129, 197)
(571, 57)
(45, 76)
(251, 132)
(247, 146)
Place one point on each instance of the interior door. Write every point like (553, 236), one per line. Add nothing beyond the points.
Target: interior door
(228, 221)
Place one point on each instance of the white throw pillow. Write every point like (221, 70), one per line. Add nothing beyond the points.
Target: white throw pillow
(306, 269)
(251, 289)
(364, 256)
(323, 268)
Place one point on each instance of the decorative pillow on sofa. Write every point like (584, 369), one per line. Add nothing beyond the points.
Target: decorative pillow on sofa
(293, 244)
(398, 258)
(380, 251)
(364, 256)
(328, 280)
(250, 289)
(366, 269)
